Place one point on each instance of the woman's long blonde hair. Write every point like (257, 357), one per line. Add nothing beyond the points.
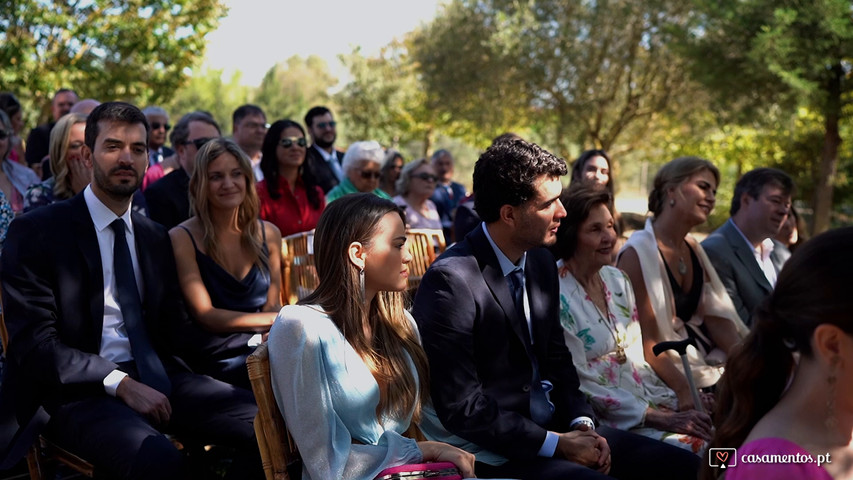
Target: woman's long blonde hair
(247, 214)
(58, 149)
(354, 218)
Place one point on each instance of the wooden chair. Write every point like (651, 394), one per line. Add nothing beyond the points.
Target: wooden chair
(425, 245)
(298, 275)
(278, 450)
(44, 456)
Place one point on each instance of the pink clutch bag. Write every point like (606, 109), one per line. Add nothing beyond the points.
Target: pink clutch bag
(414, 471)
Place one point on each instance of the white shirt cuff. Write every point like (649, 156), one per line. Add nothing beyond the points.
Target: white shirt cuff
(579, 420)
(549, 446)
(112, 380)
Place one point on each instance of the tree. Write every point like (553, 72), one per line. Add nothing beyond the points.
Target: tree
(582, 71)
(384, 101)
(289, 89)
(136, 50)
(207, 91)
(751, 52)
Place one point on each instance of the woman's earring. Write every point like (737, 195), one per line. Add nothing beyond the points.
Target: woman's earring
(361, 284)
(671, 202)
(831, 422)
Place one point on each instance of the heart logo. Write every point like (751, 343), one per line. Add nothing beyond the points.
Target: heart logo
(722, 456)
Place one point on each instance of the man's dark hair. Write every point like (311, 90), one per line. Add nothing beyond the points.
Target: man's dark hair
(244, 111)
(181, 132)
(9, 103)
(114, 112)
(505, 174)
(317, 111)
(753, 181)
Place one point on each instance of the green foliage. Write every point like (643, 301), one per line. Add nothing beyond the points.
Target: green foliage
(207, 91)
(290, 88)
(136, 50)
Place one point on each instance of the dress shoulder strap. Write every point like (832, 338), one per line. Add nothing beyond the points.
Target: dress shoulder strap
(191, 236)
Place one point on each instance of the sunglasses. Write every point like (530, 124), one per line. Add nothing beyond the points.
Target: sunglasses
(198, 142)
(4, 134)
(368, 174)
(427, 177)
(331, 124)
(288, 142)
(157, 125)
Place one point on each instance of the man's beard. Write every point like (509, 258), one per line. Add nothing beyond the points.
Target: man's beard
(119, 190)
(324, 144)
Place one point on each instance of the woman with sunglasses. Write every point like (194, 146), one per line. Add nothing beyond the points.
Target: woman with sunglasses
(416, 185)
(290, 197)
(15, 178)
(70, 174)
(361, 166)
(229, 265)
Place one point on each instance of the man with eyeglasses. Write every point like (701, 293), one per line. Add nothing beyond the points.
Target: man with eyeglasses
(361, 165)
(743, 250)
(250, 128)
(168, 198)
(158, 120)
(324, 160)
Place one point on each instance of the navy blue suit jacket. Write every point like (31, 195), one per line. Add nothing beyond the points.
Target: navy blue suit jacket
(53, 299)
(480, 351)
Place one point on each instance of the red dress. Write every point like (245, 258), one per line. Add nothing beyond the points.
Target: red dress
(291, 212)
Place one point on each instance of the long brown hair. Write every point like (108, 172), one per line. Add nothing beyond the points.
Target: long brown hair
(58, 148)
(247, 214)
(812, 289)
(354, 218)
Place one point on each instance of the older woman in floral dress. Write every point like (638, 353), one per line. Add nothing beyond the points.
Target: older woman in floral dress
(599, 318)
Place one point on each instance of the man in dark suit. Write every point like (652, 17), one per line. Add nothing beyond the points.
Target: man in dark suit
(743, 251)
(448, 194)
(502, 378)
(323, 159)
(168, 199)
(91, 294)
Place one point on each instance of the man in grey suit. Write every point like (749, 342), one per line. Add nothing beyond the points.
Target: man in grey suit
(742, 250)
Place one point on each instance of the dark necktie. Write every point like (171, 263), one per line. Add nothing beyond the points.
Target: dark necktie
(151, 371)
(541, 409)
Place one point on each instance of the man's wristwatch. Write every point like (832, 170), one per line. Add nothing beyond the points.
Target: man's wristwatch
(583, 421)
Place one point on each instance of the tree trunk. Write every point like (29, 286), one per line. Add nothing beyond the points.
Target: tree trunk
(822, 202)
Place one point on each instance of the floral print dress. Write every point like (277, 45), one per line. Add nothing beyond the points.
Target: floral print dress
(619, 393)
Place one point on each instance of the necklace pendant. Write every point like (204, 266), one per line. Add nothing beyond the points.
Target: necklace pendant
(620, 355)
(682, 267)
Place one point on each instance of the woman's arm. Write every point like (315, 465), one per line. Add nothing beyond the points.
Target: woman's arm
(629, 262)
(198, 299)
(273, 236)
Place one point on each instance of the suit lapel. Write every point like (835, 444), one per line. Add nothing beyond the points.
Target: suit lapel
(87, 242)
(746, 257)
(143, 234)
(498, 284)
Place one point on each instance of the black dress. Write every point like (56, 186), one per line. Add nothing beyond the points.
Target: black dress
(223, 355)
(686, 303)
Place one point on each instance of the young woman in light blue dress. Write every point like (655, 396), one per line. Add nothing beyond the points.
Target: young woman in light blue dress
(347, 367)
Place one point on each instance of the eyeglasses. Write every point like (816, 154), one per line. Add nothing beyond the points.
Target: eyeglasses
(323, 125)
(157, 125)
(427, 177)
(288, 142)
(368, 174)
(4, 134)
(198, 142)
(74, 146)
(255, 125)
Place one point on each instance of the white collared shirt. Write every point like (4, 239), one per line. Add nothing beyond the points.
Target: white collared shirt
(115, 345)
(332, 160)
(762, 255)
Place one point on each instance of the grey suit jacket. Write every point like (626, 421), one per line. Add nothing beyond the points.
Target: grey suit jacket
(738, 270)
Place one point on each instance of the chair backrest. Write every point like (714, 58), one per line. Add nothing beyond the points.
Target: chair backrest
(435, 235)
(278, 450)
(422, 246)
(298, 275)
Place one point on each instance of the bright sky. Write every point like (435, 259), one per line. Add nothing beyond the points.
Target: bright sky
(256, 34)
